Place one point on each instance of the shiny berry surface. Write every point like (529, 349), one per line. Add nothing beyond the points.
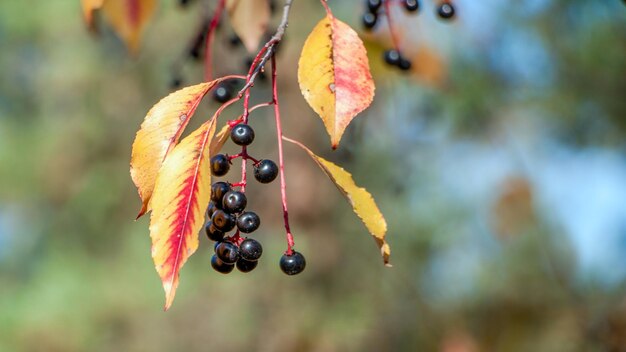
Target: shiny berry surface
(411, 5)
(223, 221)
(248, 222)
(218, 190)
(265, 171)
(220, 266)
(392, 57)
(250, 249)
(292, 264)
(234, 202)
(246, 266)
(213, 233)
(220, 165)
(222, 94)
(373, 5)
(446, 11)
(242, 134)
(227, 252)
(369, 20)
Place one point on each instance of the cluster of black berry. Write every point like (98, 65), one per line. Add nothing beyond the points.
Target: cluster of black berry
(227, 212)
(373, 9)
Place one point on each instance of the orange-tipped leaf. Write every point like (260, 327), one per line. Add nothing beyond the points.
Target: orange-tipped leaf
(334, 75)
(159, 133)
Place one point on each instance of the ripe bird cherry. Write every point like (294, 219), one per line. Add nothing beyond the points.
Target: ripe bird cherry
(292, 264)
(218, 190)
(246, 266)
(446, 11)
(234, 202)
(265, 171)
(220, 165)
(369, 20)
(411, 5)
(242, 134)
(223, 221)
(227, 252)
(220, 266)
(213, 233)
(373, 5)
(404, 64)
(222, 93)
(248, 222)
(392, 57)
(250, 249)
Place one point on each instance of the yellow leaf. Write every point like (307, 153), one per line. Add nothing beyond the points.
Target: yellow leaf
(361, 200)
(249, 19)
(159, 133)
(89, 7)
(220, 139)
(334, 75)
(181, 196)
(129, 19)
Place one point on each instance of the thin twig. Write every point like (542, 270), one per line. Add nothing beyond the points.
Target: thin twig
(268, 49)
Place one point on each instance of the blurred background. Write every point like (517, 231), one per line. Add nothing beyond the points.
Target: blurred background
(499, 162)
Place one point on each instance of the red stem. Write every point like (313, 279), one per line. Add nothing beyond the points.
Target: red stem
(279, 135)
(392, 31)
(208, 59)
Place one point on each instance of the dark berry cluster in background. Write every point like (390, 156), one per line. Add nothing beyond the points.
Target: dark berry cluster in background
(227, 212)
(374, 9)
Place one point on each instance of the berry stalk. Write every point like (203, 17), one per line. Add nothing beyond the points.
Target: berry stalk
(279, 135)
(394, 35)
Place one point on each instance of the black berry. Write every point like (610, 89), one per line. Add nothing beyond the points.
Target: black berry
(248, 222)
(265, 171)
(234, 202)
(220, 164)
(404, 64)
(220, 266)
(223, 221)
(211, 209)
(246, 266)
(227, 252)
(446, 11)
(250, 249)
(369, 20)
(213, 233)
(222, 94)
(292, 264)
(373, 5)
(392, 57)
(218, 190)
(411, 5)
(242, 134)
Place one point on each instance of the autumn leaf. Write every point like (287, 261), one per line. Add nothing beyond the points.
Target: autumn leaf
(129, 19)
(361, 200)
(159, 133)
(181, 196)
(334, 75)
(220, 139)
(249, 19)
(89, 7)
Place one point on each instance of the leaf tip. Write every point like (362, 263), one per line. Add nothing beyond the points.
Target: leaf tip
(142, 211)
